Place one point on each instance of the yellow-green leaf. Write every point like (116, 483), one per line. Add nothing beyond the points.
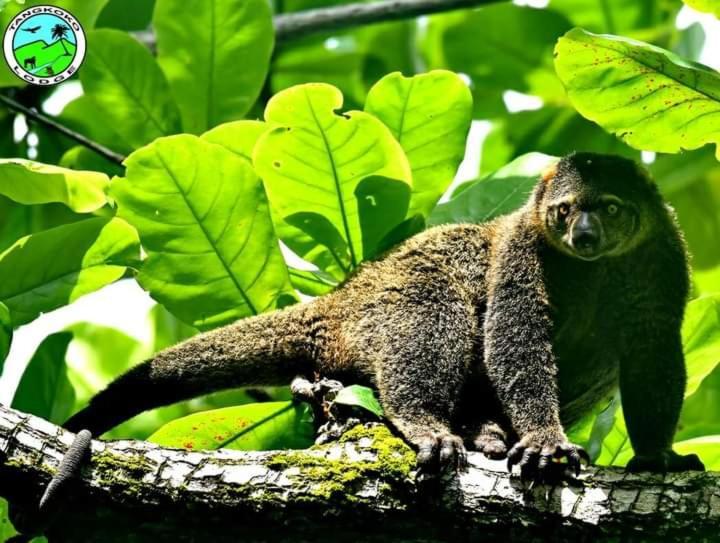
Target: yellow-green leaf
(29, 182)
(649, 97)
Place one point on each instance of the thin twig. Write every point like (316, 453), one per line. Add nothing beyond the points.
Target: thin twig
(296, 25)
(44, 120)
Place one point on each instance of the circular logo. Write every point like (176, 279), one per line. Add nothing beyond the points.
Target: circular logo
(44, 45)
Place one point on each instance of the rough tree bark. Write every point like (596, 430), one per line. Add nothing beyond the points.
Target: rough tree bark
(360, 488)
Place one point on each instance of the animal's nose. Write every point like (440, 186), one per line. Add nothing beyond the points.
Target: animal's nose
(585, 234)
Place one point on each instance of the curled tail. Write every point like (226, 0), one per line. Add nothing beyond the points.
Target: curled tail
(267, 349)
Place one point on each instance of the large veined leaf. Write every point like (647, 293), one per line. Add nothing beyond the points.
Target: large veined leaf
(216, 54)
(86, 11)
(126, 14)
(701, 339)
(82, 115)
(124, 81)
(45, 390)
(432, 131)
(313, 159)
(253, 427)
(203, 219)
(47, 270)
(498, 194)
(6, 333)
(651, 98)
(30, 182)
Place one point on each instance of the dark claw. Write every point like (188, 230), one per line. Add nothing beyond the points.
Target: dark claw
(437, 454)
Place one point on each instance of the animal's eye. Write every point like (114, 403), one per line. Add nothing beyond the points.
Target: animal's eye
(612, 209)
(563, 210)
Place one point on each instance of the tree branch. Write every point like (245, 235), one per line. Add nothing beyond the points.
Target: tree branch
(44, 120)
(291, 26)
(359, 488)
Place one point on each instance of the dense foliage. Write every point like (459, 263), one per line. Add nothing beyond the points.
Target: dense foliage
(235, 146)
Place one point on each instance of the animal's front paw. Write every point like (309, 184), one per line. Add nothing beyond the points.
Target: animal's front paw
(438, 453)
(491, 441)
(664, 462)
(535, 451)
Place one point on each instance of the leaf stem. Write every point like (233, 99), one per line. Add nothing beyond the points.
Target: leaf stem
(44, 120)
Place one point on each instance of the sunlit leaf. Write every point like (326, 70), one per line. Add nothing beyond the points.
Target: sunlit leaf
(45, 390)
(312, 283)
(29, 182)
(500, 193)
(701, 339)
(706, 447)
(360, 396)
(47, 270)
(651, 98)
(215, 55)
(212, 252)
(256, 427)
(432, 131)
(123, 80)
(239, 137)
(314, 158)
(706, 6)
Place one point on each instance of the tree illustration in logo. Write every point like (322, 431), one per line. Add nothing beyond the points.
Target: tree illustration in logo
(60, 32)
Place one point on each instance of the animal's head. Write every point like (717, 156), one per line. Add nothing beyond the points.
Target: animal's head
(594, 205)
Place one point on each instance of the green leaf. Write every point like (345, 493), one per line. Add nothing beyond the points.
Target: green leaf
(651, 98)
(616, 16)
(706, 447)
(127, 14)
(616, 449)
(123, 80)
(500, 47)
(50, 269)
(498, 194)
(253, 427)
(701, 340)
(360, 396)
(215, 56)
(706, 6)
(212, 253)
(82, 158)
(29, 182)
(6, 334)
(382, 206)
(312, 283)
(86, 12)
(6, 528)
(431, 131)
(314, 159)
(45, 390)
(239, 137)
(82, 114)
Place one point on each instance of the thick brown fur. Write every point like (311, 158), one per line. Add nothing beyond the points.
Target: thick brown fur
(496, 335)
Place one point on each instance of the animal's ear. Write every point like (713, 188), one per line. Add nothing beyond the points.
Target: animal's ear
(549, 173)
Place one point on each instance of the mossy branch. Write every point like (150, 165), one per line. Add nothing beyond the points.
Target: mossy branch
(361, 488)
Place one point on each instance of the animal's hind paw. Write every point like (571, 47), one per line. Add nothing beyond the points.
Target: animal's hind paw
(440, 453)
